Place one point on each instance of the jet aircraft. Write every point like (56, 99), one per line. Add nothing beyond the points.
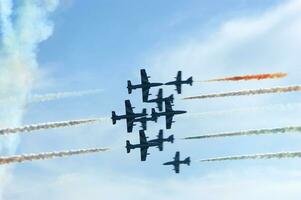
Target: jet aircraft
(130, 116)
(169, 113)
(177, 162)
(144, 145)
(144, 120)
(160, 139)
(179, 82)
(145, 85)
(159, 100)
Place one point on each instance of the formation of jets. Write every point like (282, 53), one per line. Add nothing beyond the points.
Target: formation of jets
(132, 117)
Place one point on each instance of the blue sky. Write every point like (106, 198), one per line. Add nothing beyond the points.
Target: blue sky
(102, 44)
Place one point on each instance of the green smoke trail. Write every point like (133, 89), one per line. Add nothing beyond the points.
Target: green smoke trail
(289, 129)
(281, 155)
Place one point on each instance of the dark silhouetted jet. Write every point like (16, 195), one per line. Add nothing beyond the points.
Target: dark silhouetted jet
(179, 82)
(160, 139)
(145, 85)
(177, 162)
(159, 100)
(144, 145)
(169, 113)
(130, 116)
(144, 120)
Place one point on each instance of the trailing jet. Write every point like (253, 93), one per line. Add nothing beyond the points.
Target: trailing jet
(169, 113)
(145, 85)
(130, 116)
(144, 120)
(159, 100)
(177, 162)
(179, 82)
(144, 145)
(160, 139)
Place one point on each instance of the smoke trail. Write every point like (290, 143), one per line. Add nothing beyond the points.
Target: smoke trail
(55, 96)
(22, 29)
(47, 155)
(249, 92)
(50, 125)
(250, 77)
(273, 107)
(281, 155)
(249, 132)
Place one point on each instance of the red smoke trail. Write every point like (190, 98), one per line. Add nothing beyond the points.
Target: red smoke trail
(250, 77)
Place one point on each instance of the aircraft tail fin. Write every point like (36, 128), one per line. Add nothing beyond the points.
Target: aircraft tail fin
(113, 117)
(171, 98)
(144, 111)
(171, 139)
(154, 113)
(190, 81)
(160, 135)
(155, 118)
(130, 87)
(187, 161)
(128, 146)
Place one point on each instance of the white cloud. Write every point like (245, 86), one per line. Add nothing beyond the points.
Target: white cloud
(246, 184)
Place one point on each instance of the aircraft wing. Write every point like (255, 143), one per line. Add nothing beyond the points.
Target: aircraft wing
(143, 153)
(177, 168)
(144, 77)
(179, 88)
(129, 125)
(177, 156)
(144, 125)
(169, 119)
(168, 106)
(160, 105)
(142, 137)
(145, 94)
(179, 76)
(128, 107)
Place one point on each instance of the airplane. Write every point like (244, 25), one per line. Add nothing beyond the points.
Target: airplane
(177, 162)
(169, 113)
(145, 85)
(160, 139)
(144, 145)
(179, 82)
(159, 100)
(129, 116)
(144, 120)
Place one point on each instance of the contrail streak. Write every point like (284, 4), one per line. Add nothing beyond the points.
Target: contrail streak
(250, 77)
(249, 92)
(249, 132)
(55, 96)
(47, 155)
(50, 125)
(281, 155)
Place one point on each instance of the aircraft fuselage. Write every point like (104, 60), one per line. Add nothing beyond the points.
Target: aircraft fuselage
(149, 144)
(175, 112)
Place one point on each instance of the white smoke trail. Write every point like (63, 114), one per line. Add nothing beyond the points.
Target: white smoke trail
(249, 132)
(249, 92)
(282, 155)
(36, 98)
(47, 155)
(22, 29)
(49, 125)
(273, 107)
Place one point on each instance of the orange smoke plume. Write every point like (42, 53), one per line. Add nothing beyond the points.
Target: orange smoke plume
(251, 77)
